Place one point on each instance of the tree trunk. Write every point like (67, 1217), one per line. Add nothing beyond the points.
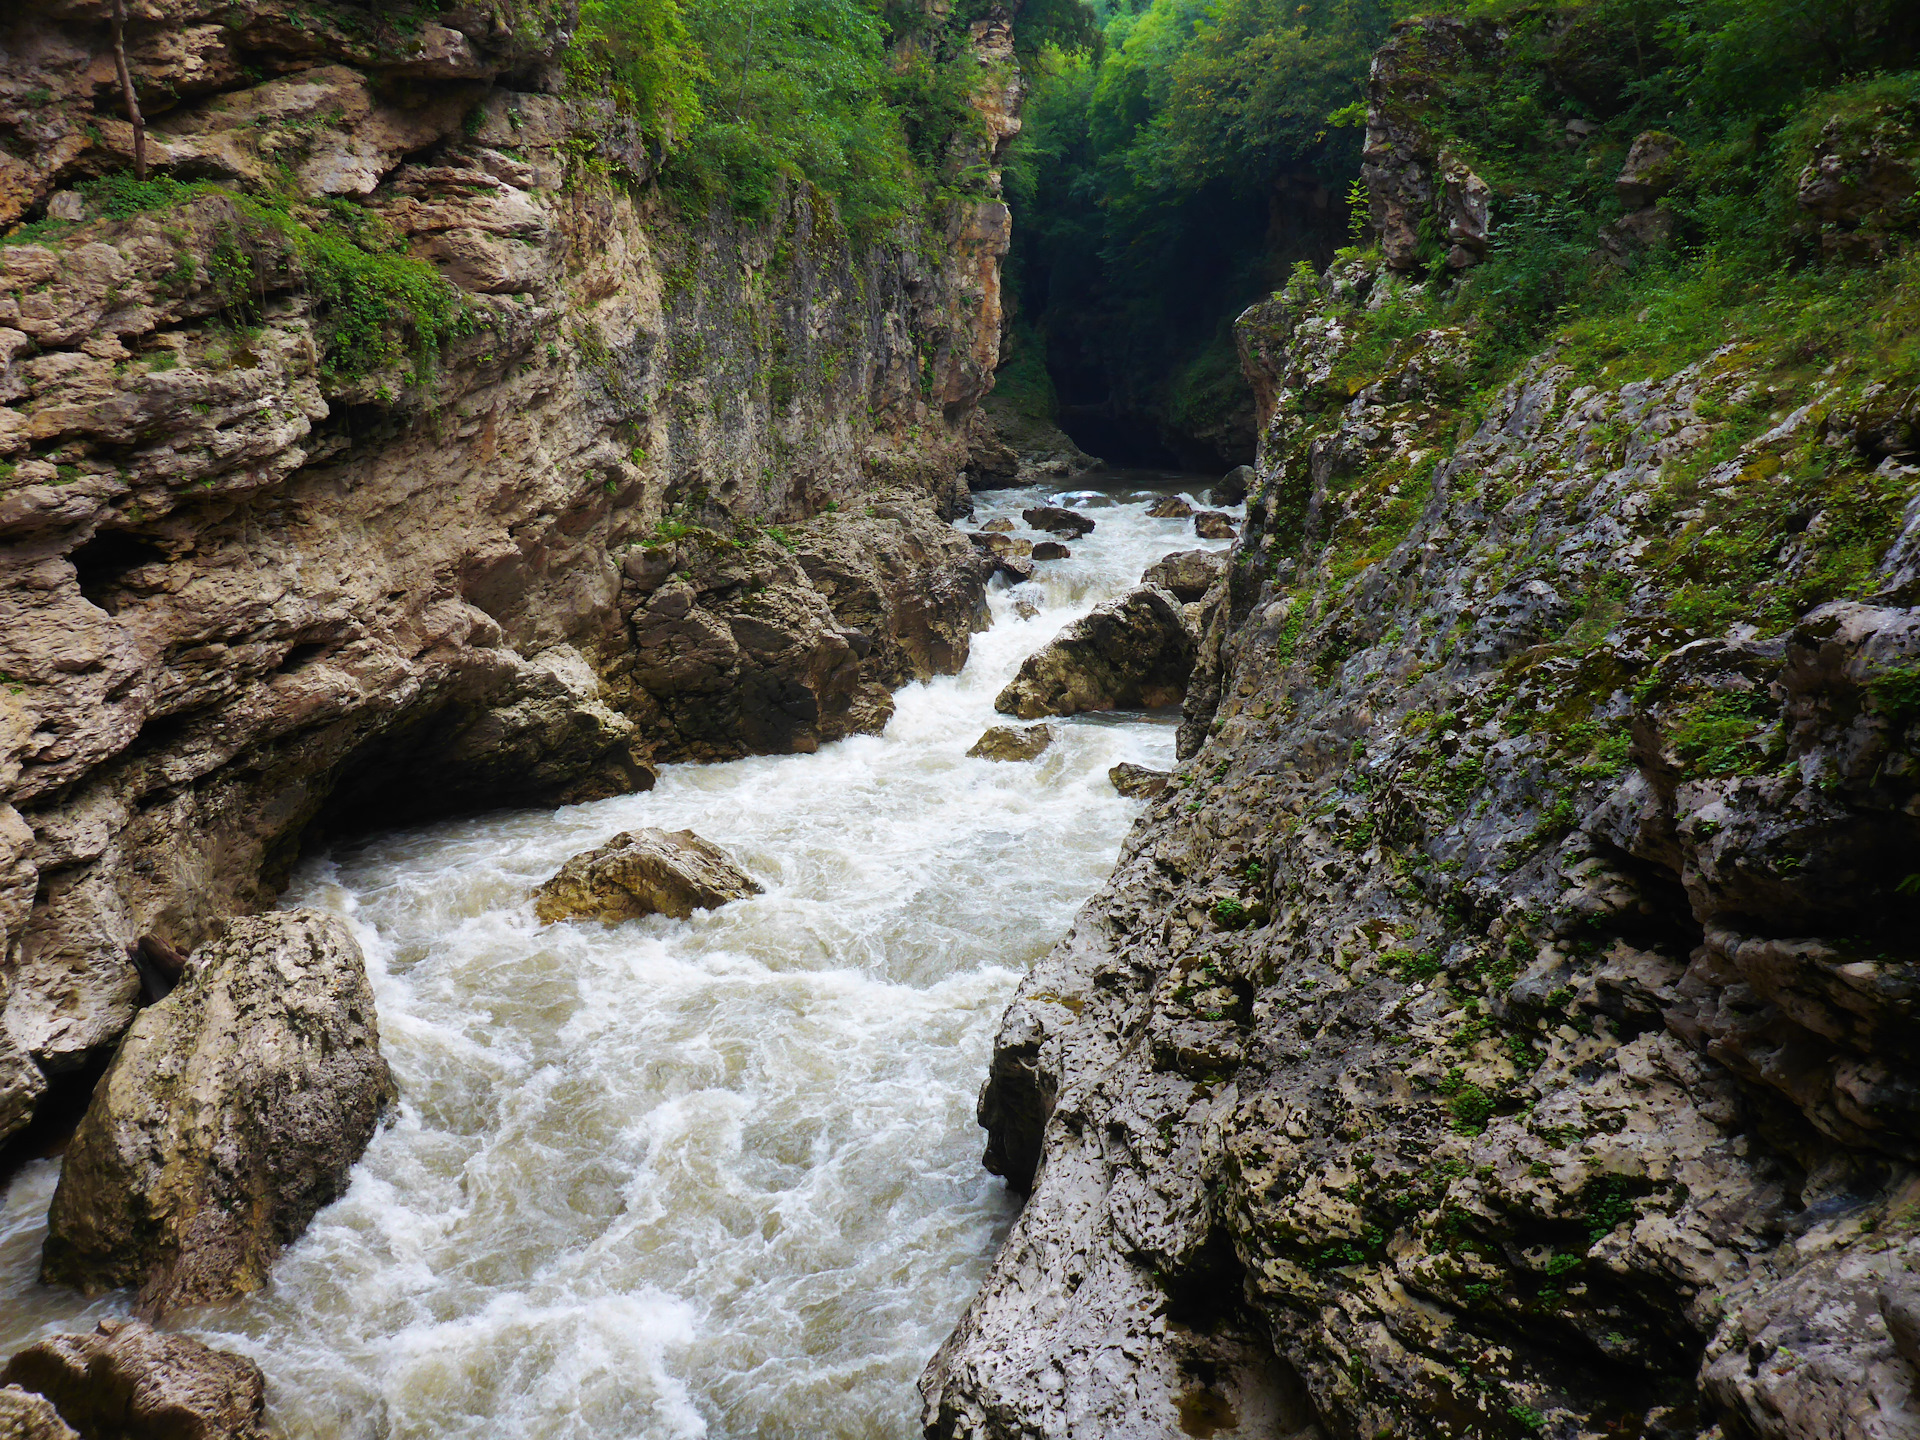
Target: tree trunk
(126, 90)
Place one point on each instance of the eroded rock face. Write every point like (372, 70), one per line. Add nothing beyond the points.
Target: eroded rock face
(126, 1381)
(1132, 653)
(643, 872)
(1012, 742)
(234, 1110)
(258, 588)
(1502, 1074)
(1186, 574)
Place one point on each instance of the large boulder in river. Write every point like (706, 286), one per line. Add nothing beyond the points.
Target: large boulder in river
(127, 1381)
(1232, 487)
(1132, 653)
(1058, 521)
(1012, 742)
(1212, 525)
(1189, 574)
(643, 872)
(233, 1110)
(1137, 782)
(1170, 507)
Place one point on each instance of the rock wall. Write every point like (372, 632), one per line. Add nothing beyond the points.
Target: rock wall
(293, 537)
(1503, 1024)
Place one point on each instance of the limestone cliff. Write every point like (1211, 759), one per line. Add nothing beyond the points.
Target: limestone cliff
(1503, 1024)
(398, 448)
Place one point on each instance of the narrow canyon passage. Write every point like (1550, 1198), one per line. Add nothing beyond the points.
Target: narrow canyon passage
(717, 1178)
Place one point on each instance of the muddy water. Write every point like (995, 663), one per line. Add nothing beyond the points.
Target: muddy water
(674, 1179)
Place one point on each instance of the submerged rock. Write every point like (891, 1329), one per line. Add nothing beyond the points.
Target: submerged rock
(643, 872)
(1051, 550)
(127, 1381)
(1212, 525)
(1025, 609)
(233, 1111)
(1137, 782)
(1170, 507)
(1012, 742)
(1232, 487)
(1132, 653)
(1058, 521)
(1188, 574)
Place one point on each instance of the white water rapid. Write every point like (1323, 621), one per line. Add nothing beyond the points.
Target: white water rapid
(713, 1179)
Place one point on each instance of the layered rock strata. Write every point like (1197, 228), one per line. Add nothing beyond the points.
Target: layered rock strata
(296, 538)
(233, 1110)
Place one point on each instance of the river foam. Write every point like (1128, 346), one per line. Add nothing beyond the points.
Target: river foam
(716, 1178)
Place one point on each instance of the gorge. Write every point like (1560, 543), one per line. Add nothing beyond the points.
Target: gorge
(438, 439)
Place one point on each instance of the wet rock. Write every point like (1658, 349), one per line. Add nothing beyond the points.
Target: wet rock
(643, 872)
(1051, 550)
(998, 526)
(1070, 524)
(126, 1381)
(1016, 568)
(1170, 507)
(1653, 167)
(1001, 546)
(1138, 782)
(26, 1416)
(1131, 653)
(1188, 574)
(1232, 487)
(1025, 609)
(1012, 742)
(234, 1110)
(1212, 525)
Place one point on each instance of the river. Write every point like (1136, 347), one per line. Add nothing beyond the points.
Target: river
(716, 1178)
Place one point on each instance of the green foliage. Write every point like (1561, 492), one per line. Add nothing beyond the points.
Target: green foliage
(1896, 692)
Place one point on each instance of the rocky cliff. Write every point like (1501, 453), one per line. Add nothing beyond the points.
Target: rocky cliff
(1503, 1024)
(398, 447)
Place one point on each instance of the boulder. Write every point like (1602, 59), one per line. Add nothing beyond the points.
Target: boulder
(1652, 169)
(1189, 574)
(643, 872)
(999, 526)
(1001, 546)
(1233, 486)
(1057, 521)
(1025, 609)
(1012, 742)
(127, 1381)
(1137, 782)
(1212, 525)
(26, 1416)
(1015, 567)
(1169, 507)
(1132, 653)
(1051, 550)
(234, 1109)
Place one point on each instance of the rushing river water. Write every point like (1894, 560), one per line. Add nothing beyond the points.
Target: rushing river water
(672, 1179)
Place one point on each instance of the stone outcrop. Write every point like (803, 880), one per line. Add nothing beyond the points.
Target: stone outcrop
(233, 1110)
(634, 486)
(1858, 189)
(1502, 1024)
(643, 872)
(1137, 782)
(126, 1381)
(1132, 653)
(1012, 742)
(1410, 175)
(1009, 447)
(1186, 574)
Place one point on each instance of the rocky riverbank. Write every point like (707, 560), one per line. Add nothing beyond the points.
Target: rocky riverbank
(397, 448)
(1502, 1024)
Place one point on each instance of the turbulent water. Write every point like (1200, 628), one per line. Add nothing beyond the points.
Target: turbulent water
(673, 1179)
